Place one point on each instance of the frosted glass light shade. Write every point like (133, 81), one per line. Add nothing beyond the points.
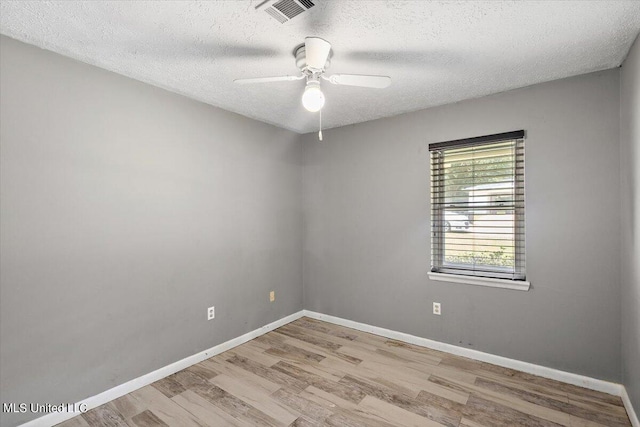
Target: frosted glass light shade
(313, 98)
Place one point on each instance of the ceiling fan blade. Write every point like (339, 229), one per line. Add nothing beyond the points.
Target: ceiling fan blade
(190, 49)
(230, 50)
(317, 51)
(407, 57)
(268, 79)
(378, 82)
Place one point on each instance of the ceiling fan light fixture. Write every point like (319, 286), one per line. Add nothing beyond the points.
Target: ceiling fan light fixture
(313, 98)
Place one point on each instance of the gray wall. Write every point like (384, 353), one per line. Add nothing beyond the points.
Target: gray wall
(630, 174)
(366, 241)
(126, 211)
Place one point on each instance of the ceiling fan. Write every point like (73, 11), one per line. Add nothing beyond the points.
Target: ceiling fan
(313, 58)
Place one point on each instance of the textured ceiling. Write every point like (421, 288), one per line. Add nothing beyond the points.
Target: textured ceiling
(435, 52)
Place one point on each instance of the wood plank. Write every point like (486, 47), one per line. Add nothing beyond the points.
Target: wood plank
(234, 406)
(336, 354)
(202, 370)
(579, 422)
(505, 376)
(247, 376)
(344, 411)
(311, 373)
(328, 400)
(610, 417)
(391, 376)
(287, 351)
(504, 399)
(147, 419)
(494, 414)
(604, 405)
(204, 410)
(343, 391)
(311, 410)
(335, 338)
(435, 354)
(443, 416)
(303, 421)
(320, 370)
(127, 406)
(168, 386)
(77, 421)
(165, 408)
(602, 413)
(267, 373)
(254, 353)
(104, 416)
(469, 423)
(355, 419)
(309, 338)
(326, 328)
(188, 380)
(257, 398)
(393, 414)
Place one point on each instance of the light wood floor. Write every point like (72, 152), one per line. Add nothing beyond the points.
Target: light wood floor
(312, 373)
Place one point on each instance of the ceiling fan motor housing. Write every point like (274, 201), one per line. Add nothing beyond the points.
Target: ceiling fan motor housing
(301, 61)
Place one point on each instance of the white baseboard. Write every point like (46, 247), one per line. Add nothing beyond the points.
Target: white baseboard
(136, 383)
(530, 368)
(629, 407)
(542, 371)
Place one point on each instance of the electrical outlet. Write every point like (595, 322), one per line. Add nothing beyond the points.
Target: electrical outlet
(272, 296)
(211, 313)
(436, 308)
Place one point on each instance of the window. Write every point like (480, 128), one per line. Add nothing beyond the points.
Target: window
(477, 209)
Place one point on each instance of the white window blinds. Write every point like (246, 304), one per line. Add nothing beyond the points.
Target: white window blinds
(477, 206)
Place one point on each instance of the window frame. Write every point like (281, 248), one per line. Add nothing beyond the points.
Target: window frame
(492, 277)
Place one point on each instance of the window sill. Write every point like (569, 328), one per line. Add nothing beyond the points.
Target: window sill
(517, 285)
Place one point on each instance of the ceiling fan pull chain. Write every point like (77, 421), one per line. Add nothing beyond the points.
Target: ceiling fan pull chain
(320, 127)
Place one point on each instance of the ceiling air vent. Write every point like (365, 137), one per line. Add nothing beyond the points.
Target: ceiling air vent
(284, 10)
